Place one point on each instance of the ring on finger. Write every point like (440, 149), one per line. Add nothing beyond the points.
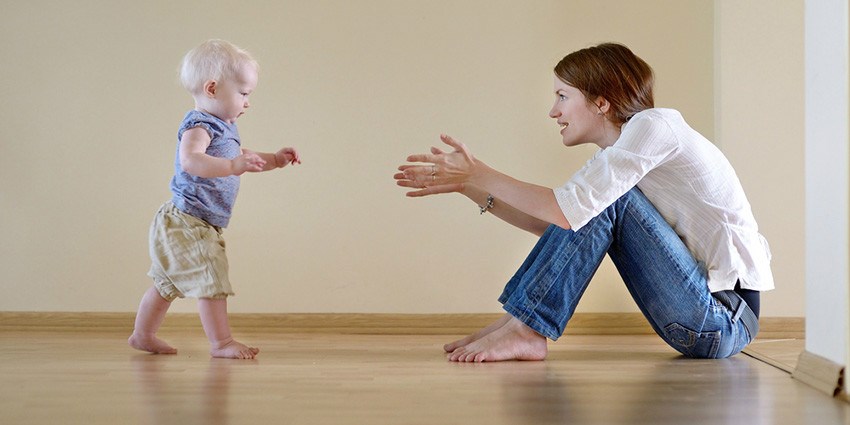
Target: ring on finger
(433, 170)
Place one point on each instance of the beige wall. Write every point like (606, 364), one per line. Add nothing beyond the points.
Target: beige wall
(92, 104)
(760, 127)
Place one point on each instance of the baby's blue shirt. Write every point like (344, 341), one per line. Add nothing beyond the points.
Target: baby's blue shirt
(210, 199)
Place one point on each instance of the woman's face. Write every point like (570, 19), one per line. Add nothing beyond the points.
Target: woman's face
(581, 122)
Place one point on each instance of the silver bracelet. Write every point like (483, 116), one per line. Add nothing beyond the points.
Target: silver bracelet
(488, 206)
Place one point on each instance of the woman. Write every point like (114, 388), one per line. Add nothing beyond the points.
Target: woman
(657, 197)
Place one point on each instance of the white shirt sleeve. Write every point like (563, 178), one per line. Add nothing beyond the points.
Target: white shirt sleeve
(646, 141)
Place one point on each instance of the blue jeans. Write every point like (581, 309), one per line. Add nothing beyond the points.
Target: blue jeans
(662, 276)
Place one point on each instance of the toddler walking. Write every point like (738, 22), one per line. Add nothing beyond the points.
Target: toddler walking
(186, 245)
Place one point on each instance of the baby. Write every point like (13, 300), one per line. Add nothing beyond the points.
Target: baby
(186, 245)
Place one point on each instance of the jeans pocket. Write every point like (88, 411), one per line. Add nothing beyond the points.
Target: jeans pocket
(700, 345)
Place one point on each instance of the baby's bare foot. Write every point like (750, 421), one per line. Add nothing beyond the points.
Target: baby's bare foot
(150, 344)
(233, 349)
(478, 335)
(513, 341)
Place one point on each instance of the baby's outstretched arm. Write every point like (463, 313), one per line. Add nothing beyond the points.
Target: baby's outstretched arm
(194, 159)
(279, 159)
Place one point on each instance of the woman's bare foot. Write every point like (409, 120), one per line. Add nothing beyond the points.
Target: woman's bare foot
(478, 335)
(151, 344)
(513, 341)
(233, 349)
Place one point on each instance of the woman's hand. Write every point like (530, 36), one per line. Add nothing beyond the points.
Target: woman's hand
(527, 206)
(443, 172)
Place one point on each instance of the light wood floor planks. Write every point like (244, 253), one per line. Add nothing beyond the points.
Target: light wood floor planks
(92, 377)
(781, 353)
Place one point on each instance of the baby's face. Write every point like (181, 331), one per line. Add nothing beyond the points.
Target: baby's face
(231, 97)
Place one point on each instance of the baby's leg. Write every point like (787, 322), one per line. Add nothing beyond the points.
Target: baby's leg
(222, 344)
(151, 313)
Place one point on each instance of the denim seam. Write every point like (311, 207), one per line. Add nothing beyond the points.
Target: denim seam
(537, 296)
(544, 282)
(643, 224)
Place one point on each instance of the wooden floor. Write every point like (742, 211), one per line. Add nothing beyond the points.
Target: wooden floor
(780, 353)
(68, 377)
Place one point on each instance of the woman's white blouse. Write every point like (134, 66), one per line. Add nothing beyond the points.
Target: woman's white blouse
(690, 183)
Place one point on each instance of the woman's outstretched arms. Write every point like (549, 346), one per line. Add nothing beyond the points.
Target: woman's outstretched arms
(524, 205)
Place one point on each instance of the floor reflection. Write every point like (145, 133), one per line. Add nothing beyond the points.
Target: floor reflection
(580, 384)
(652, 388)
(168, 395)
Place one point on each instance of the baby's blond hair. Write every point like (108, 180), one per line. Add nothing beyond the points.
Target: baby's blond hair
(213, 60)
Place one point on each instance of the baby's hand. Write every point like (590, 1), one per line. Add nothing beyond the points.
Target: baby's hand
(247, 162)
(286, 156)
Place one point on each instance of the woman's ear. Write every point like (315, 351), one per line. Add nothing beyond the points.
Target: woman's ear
(209, 88)
(602, 105)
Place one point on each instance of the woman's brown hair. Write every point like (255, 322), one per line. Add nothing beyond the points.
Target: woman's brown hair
(612, 71)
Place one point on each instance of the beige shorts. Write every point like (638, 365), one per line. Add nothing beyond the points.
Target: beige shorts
(187, 256)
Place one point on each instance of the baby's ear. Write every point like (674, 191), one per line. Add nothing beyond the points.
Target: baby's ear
(209, 88)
